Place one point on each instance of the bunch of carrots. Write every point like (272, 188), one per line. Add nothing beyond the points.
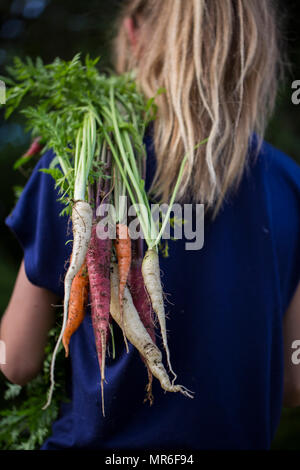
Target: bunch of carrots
(97, 136)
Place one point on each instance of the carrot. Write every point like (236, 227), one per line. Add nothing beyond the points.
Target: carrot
(123, 252)
(142, 304)
(35, 148)
(138, 335)
(77, 304)
(98, 263)
(140, 297)
(82, 215)
(151, 275)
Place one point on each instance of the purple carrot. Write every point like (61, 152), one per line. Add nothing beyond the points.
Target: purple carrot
(141, 302)
(98, 262)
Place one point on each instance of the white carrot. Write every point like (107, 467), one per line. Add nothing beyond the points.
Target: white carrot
(151, 275)
(138, 335)
(82, 216)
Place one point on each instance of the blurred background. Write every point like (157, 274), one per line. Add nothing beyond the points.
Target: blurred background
(50, 28)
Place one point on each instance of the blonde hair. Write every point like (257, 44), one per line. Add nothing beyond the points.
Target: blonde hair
(218, 61)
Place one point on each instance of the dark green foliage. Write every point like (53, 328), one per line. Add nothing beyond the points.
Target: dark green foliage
(23, 423)
(63, 92)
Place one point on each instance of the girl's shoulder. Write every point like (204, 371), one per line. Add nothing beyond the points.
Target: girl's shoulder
(279, 167)
(279, 177)
(272, 179)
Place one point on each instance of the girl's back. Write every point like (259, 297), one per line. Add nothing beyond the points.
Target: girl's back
(225, 301)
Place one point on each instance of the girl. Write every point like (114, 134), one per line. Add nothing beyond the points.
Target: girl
(235, 303)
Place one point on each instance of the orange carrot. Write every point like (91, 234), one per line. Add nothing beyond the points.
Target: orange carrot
(77, 304)
(123, 252)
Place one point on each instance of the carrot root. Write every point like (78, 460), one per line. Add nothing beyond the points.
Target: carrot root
(149, 395)
(82, 215)
(151, 275)
(77, 304)
(142, 304)
(123, 252)
(98, 262)
(138, 335)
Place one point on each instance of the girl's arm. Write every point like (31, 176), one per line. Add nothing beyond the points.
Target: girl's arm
(291, 329)
(24, 329)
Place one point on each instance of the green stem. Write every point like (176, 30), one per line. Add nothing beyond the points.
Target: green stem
(143, 210)
(171, 203)
(179, 178)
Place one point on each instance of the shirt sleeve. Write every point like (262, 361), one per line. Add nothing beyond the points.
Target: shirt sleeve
(41, 231)
(283, 177)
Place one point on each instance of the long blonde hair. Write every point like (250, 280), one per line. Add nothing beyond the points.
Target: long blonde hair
(219, 61)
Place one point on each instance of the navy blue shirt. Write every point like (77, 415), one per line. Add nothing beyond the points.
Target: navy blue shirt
(225, 315)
